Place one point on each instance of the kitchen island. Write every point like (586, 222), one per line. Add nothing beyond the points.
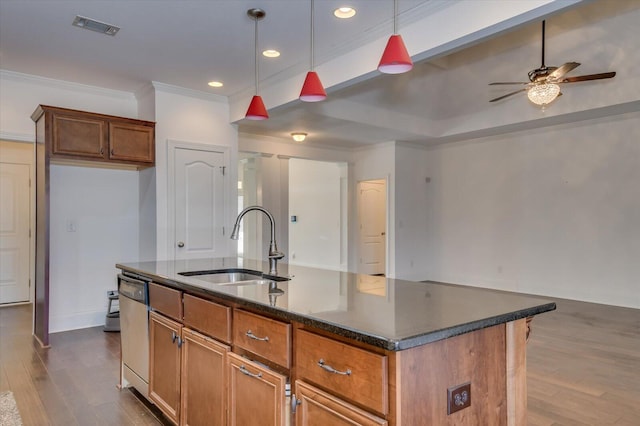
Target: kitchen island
(333, 347)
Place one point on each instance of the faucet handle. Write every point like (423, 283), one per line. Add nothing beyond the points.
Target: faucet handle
(276, 255)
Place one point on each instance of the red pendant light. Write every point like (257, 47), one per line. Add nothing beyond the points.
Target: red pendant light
(256, 110)
(312, 89)
(395, 58)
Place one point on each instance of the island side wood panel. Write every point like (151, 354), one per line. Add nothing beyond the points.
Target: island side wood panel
(517, 334)
(424, 373)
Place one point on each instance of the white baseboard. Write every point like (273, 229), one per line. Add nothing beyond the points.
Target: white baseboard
(76, 321)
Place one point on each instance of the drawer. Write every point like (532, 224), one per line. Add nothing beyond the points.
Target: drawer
(208, 317)
(166, 300)
(353, 373)
(263, 336)
(318, 407)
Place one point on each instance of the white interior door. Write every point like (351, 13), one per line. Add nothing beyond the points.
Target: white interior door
(199, 203)
(372, 215)
(14, 232)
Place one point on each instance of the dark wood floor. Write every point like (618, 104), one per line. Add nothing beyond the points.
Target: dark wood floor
(583, 369)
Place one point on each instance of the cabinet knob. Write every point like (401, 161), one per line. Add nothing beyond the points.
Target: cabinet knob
(180, 244)
(294, 403)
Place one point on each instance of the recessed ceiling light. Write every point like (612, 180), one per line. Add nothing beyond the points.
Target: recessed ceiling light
(270, 53)
(344, 12)
(215, 84)
(93, 25)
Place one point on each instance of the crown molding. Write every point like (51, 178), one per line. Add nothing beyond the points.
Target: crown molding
(17, 137)
(177, 90)
(65, 85)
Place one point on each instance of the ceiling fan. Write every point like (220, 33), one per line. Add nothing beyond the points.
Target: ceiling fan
(544, 82)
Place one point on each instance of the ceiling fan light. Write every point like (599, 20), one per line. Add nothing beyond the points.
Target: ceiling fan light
(395, 58)
(543, 94)
(256, 110)
(312, 90)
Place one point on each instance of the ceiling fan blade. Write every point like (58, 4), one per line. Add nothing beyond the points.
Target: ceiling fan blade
(507, 82)
(588, 77)
(562, 70)
(507, 95)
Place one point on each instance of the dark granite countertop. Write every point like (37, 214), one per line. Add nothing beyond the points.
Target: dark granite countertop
(387, 313)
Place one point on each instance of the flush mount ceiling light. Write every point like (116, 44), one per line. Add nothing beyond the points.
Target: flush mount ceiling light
(344, 12)
(215, 84)
(93, 25)
(395, 58)
(298, 136)
(256, 110)
(312, 89)
(543, 94)
(271, 53)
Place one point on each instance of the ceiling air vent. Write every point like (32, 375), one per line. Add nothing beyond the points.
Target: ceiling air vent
(97, 26)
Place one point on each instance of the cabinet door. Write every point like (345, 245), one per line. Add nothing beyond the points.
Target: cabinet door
(131, 142)
(76, 134)
(203, 399)
(256, 394)
(318, 408)
(164, 364)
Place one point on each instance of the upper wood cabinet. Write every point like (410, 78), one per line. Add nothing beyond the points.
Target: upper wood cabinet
(78, 135)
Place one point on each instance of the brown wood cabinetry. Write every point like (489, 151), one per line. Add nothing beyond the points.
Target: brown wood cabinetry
(337, 381)
(164, 364)
(131, 142)
(204, 377)
(263, 336)
(318, 408)
(84, 136)
(67, 136)
(166, 300)
(207, 317)
(349, 372)
(78, 134)
(256, 394)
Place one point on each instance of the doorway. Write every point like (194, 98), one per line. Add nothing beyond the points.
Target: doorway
(372, 226)
(16, 216)
(318, 214)
(197, 179)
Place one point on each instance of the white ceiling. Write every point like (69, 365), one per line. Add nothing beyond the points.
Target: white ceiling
(187, 43)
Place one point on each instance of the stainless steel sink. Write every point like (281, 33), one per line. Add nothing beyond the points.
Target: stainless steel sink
(232, 276)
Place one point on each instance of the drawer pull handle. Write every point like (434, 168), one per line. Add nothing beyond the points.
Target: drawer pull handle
(174, 336)
(330, 369)
(246, 372)
(250, 335)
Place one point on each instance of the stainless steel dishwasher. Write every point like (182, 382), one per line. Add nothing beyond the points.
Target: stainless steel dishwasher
(134, 332)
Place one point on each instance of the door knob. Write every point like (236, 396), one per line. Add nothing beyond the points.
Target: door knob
(180, 244)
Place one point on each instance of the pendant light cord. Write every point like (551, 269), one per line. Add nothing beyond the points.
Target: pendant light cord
(256, 52)
(543, 44)
(395, 16)
(312, 1)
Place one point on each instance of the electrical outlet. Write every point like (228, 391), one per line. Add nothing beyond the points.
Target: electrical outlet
(458, 397)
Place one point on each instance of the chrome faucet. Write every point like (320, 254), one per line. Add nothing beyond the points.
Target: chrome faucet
(274, 254)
